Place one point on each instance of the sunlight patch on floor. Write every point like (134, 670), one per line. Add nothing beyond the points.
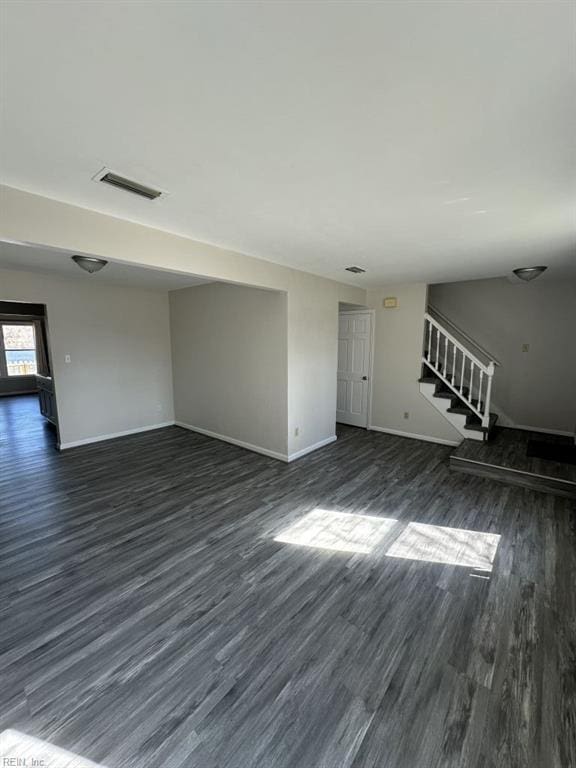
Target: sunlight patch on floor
(338, 531)
(19, 749)
(452, 546)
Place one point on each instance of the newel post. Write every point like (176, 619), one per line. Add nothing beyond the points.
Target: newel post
(490, 374)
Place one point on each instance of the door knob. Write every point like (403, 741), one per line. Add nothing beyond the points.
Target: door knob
(364, 378)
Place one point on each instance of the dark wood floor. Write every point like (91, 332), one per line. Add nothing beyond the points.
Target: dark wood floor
(152, 619)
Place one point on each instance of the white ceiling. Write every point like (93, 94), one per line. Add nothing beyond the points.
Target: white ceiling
(421, 140)
(50, 262)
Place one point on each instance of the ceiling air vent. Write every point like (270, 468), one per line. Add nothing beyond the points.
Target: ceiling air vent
(356, 270)
(108, 177)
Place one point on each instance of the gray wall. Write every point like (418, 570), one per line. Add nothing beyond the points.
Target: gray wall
(398, 337)
(229, 354)
(118, 338)
(535, 388)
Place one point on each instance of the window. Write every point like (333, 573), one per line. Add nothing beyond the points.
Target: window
(18, 347)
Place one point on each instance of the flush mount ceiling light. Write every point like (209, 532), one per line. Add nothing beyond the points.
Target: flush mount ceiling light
(356, 270)
(529, 273)
(89, 263)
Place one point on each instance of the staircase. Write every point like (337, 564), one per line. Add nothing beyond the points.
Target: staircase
(456, 381)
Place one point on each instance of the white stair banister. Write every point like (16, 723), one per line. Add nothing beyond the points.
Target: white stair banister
(437, 336)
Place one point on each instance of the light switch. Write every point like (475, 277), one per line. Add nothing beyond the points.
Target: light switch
(525, 347)
(67, 359)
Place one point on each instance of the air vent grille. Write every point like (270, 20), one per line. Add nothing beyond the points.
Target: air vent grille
(356, 270)
(130, 186)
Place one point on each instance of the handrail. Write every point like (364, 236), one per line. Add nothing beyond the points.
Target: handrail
(468, 374)
(458, 344)
(447, 321)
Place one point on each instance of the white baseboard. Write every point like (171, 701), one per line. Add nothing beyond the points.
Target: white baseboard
(311, 448)
(425, 438)
(505, 421)
(113, 435)
(543, 430)
(233, 441)
(257, 448)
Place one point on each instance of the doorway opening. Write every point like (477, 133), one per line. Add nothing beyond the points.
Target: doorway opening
(28, 415)
(355, 361)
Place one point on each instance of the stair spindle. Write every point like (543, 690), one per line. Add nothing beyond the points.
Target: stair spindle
(458, 376)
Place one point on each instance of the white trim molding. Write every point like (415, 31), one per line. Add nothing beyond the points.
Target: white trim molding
(543, 430)
(425, 438)
(234, 441)
(505, 422)
(257, 448)
(113, 435)
(311, 448)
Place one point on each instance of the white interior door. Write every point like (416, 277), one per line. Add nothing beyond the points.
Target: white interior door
(354, 353)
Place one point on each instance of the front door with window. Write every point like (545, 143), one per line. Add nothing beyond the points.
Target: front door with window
(354, 353)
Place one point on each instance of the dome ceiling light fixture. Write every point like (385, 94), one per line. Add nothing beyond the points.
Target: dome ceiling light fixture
(89, 263)
(529, 273)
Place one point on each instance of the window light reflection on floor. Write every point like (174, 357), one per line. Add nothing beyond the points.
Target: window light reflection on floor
(452, 546)
(338, 531)
(346, 532)
(18, 748)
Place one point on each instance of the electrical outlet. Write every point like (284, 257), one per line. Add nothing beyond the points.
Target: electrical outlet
(406, 415)
(296, 431)
(525, 347)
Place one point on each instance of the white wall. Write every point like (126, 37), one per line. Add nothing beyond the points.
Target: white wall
(118, 338)
(398, 336)
(535, 388)
(312, 301)
(230, 360)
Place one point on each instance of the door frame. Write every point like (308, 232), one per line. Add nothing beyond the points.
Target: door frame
(372, 313)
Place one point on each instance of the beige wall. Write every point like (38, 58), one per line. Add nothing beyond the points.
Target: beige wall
(313, 360)
(229, 355)
(312, 301)
(118, 339)
(535, 388)
(398, 338)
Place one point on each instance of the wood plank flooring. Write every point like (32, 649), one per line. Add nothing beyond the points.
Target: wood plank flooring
(156, 611)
